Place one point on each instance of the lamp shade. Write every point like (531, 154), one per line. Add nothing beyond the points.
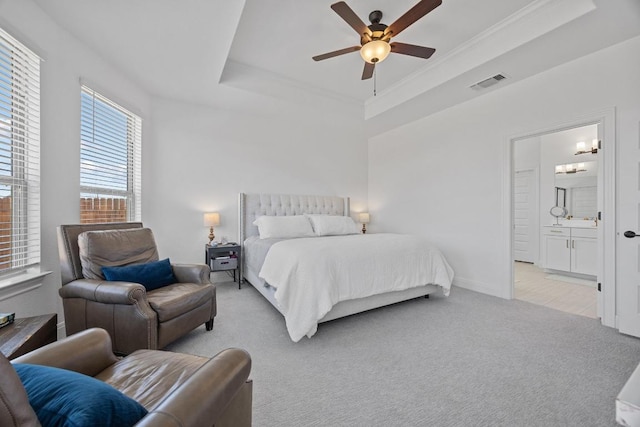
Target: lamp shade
(364, 218)
(375, 51)
(211, 219)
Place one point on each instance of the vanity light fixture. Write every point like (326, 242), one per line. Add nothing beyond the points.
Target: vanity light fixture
(570, 168)
(211, 220)
(581, 147)
(364, 218)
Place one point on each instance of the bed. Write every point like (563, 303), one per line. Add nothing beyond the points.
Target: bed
(311, 279)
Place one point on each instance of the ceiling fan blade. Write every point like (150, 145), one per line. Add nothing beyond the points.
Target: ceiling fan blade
(412, 15)
(367, 73)
(350, 17)
(412, 49)
(336, 53)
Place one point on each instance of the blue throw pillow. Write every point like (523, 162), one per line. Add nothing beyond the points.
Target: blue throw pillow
(66, 398)
(151, 275)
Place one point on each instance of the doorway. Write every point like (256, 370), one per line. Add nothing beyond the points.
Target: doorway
(555, 253)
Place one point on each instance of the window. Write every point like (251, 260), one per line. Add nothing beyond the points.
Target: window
(110, 143)
(19, 156)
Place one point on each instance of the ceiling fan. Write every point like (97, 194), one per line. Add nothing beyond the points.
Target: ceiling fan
(374, 39)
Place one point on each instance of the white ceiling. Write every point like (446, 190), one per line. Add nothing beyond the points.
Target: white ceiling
(281, 37)
(186, 49)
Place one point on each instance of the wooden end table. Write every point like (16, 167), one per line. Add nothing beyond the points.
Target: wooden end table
(27, 334)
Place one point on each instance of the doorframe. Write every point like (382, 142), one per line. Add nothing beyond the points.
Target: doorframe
(606, 230)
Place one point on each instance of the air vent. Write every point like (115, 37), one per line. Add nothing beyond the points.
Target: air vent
(488, 82)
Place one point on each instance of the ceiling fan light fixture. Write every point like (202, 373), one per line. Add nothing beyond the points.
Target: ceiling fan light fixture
(375, 51)
(375, 39)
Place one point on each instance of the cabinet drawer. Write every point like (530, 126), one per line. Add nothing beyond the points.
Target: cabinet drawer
(585, 232)
(557, 231)
(225, 264)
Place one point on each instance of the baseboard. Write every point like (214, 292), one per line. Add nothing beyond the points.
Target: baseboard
(61, 331)
(483, 288)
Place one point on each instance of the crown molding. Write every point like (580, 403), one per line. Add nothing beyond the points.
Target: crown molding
(529, 23)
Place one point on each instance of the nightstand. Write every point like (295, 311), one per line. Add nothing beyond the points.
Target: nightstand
(223, 258)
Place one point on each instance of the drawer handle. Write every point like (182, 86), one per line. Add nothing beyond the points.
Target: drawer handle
(631, 234)
(555, 231)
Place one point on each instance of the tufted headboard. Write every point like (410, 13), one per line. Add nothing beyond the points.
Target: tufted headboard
(252, 206)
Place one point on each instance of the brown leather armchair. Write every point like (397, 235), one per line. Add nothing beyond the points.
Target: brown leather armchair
(134, 317)
(179, 389)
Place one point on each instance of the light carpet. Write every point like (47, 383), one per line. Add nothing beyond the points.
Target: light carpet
(466, 360)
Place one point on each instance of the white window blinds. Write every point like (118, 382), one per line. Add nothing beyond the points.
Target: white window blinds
(110, 161)
(19, 156)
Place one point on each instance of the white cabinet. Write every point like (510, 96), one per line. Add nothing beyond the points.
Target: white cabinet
(557, 249)
(584, 251)
(571, 249)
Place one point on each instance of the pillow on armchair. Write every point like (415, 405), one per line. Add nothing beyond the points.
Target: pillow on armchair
(151, 275)
(68, 398)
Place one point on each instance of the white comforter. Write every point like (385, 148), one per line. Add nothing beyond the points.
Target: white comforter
(313, 274)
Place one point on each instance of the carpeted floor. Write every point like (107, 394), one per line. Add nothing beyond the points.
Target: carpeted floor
(466, 360)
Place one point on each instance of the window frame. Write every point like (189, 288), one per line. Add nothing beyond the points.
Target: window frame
(133, 193)
(20, 101)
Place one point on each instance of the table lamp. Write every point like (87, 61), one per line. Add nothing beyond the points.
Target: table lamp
(364, 219)
(211, 219)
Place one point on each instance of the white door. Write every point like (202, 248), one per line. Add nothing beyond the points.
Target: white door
(524, 238)
(628, 249)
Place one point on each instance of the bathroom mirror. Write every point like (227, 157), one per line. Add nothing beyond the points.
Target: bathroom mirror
(558, 212)
(579, 182)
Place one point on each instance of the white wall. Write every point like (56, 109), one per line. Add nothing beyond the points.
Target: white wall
(200, 158)
(443, 177)
(195, 158)
(526, 154)
(65, 61)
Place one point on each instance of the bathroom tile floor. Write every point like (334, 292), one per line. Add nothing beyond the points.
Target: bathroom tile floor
(531, 285)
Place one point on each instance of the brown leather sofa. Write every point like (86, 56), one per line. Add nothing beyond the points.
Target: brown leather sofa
(179, 390)
(134, 317)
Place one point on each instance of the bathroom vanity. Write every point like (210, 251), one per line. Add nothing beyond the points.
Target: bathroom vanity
(571, 249)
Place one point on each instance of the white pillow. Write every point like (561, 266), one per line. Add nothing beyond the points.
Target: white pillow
(284, 226)
(333, 225)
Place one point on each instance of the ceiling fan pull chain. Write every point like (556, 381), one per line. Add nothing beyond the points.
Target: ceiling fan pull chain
(375, 73)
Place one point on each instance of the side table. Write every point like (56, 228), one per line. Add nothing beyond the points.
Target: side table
(27, 334)
(233, 263)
